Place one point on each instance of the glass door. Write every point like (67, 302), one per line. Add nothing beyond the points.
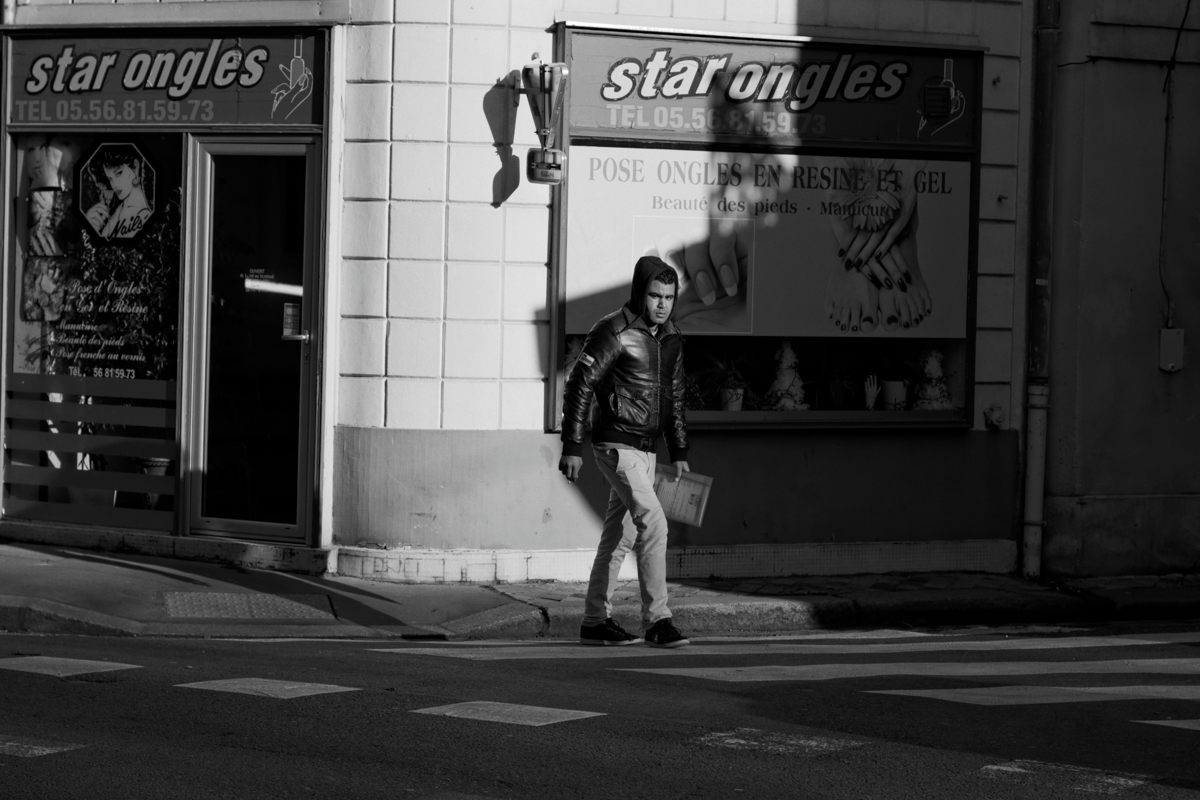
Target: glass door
(251, 400)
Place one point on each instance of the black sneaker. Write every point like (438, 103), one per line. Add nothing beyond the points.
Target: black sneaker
(664, 634)
(608, 634)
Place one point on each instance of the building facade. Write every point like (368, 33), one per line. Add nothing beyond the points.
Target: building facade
(335, 315)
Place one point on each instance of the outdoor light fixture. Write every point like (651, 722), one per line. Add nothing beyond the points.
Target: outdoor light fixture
(545, 85)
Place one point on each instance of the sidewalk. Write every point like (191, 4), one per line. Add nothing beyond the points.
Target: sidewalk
(48, 589)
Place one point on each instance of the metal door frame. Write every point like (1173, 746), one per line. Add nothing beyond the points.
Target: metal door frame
(195, 302)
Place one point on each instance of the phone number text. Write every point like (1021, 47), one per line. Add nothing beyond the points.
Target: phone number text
(112, 111)
(715, 120)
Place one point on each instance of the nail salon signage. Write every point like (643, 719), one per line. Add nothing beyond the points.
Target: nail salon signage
(223, 79)
(781, 93)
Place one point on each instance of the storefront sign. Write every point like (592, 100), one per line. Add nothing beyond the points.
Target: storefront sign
(224, 79)
(704, 90)
(778, 222)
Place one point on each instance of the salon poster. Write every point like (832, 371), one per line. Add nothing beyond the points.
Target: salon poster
(706, 90)
(774, 244)
(228, 78)
(98, 256)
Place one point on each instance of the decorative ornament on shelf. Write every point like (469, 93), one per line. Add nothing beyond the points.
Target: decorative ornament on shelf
(787, 392)
(933, 394)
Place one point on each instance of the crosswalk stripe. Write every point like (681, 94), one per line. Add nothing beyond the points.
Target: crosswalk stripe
(1187, 724)
(510, 713)
(266, 687)
(61, 667)
(30, 748)
(1039, 695)
(493, 652)
(823, 672)
(778, 743)
(1046, 776)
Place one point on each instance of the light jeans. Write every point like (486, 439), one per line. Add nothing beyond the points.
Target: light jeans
(635, 520)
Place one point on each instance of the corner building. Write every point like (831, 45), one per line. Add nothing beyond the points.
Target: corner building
(276, 277)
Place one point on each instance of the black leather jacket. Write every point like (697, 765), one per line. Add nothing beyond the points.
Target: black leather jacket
(637, 380)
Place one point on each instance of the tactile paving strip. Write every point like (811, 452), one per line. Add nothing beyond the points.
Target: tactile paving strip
(247, 605)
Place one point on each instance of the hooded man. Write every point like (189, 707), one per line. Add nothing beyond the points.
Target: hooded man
(632, 364)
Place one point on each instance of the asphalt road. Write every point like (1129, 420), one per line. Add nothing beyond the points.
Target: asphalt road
(1016, 713)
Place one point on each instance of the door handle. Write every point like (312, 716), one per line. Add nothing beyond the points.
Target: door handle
(296, 337)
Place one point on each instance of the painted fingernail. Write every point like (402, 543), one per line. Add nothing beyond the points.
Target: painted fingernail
(841, 252)
(849, 264)
(858, 263)
(704, 288)
(901, 287)
(875, 281)
(887, 282)
(907, 277)
(891, 320)
(728, 280)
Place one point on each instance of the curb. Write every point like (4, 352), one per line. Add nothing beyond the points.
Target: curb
(33, 615)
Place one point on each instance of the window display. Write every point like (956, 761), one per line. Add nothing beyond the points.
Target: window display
(817, 202)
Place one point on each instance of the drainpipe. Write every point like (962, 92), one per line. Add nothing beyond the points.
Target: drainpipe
(1046, 33)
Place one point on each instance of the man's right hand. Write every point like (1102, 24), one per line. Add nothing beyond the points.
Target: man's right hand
(570, 466)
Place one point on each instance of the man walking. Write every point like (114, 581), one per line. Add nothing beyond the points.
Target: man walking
(632, 363)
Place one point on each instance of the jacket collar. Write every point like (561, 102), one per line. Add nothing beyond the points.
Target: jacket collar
(633, 320)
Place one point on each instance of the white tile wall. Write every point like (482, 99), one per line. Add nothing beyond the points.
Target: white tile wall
(473, 290)
(365, 170)
(414, 348)
(414, 289)
(414, 403)
(471, 405)
(468, 121)
(368, 111)
(854, 13)
(473, 170)
(479, 55)
(419, 112)
(994, 302)
(522, 404)
(472, 350)
(418, 171)
(369, 52)
(475, 233)
(525, 350)
(364, 288)
(364, 228)
(480, 12)
(525, 292)
(418, 230)
(360, 402)
(420, 10)
(422, 53)
(997, 248)
(448, 280)
(362, 346)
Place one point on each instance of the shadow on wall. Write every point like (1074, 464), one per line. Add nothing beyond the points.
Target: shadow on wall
(500, 108)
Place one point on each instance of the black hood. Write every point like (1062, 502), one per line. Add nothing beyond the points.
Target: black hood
(644, 271)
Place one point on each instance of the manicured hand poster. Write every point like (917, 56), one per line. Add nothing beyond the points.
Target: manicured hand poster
(98, 256)
(777, 245)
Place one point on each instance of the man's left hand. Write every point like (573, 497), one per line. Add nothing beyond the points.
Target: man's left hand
(680, 468)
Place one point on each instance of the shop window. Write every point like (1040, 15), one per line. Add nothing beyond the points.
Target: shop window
(817, 202)
(90, 406)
